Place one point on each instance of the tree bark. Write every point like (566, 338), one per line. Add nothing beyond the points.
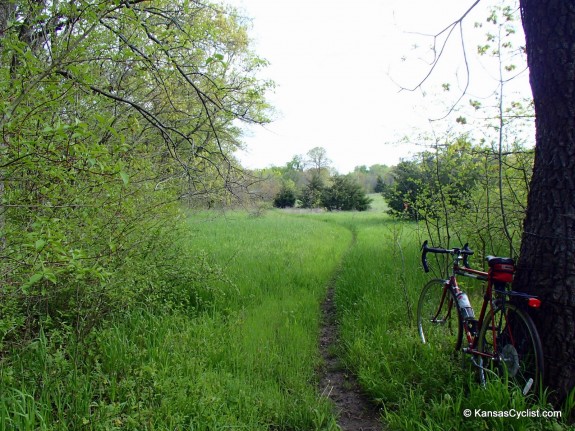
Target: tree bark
(546, 265)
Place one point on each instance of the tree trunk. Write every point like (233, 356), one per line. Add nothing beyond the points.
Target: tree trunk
(546, 265)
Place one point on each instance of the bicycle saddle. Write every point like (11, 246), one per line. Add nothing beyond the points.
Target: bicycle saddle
(493, 260)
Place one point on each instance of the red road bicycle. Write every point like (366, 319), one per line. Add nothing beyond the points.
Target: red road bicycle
(502, 340)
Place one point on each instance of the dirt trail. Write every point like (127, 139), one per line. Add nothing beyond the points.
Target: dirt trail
(355, 412)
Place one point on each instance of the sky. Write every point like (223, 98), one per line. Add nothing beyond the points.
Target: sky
(339, 68)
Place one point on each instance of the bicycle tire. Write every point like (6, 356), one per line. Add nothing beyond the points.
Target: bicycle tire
(518, 344)
(439, 322)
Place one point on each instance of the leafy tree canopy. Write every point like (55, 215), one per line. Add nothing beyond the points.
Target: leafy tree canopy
(110, 112)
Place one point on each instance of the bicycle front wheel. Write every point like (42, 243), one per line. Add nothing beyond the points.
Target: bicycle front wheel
(438, 320)
(509, 337)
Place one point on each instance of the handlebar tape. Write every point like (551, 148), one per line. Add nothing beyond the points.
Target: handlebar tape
(424, 250)
(465, 251)
(424, 256)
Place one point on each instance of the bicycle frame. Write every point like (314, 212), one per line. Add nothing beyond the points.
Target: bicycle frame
(471, 333)
(471, 326)
(502, 339)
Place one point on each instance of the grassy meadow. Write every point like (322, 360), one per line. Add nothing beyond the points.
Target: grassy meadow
(248, 357)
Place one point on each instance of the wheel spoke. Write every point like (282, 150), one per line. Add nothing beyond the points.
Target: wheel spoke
(509, 335)
(437, 317)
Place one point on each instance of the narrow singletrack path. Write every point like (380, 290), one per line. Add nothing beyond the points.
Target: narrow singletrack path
(355, 412)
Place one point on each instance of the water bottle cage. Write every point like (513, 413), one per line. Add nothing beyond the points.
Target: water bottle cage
(465, 308)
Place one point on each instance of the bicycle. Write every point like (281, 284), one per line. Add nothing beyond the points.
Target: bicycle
(503, 340)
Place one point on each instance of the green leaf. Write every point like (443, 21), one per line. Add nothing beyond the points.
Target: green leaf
(475, 103)
(50, 276)
(125, 177)
(39, 244)
(35, 278)
(32, 281)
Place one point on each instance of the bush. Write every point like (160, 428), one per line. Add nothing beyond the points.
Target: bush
(285, 198)
(311, 195)
(345, 194)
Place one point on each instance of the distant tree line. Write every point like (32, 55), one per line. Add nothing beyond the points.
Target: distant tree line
(310, 182)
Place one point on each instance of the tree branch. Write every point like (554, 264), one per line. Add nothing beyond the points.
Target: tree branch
(448, 30)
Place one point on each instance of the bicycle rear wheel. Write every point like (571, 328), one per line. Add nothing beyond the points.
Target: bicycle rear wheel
(510, 335)
(438, 320)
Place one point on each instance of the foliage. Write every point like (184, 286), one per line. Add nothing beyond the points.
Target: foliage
(464, 191)
(286, 197)
(345, 194)
(402, 195)
(416, 387)
(480, 195)
(311, 194)
(316, 185)
(379, 185)
(317, 160)
(373, 178)
(245, 357)
(111, 113)
(449, 171)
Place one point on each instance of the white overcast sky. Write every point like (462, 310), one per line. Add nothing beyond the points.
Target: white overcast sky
(337, 65)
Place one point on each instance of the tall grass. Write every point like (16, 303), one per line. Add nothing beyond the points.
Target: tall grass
(418, 387)
(246, 359)
(244, 355)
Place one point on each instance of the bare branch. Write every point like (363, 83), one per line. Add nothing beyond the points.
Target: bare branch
(447, 32)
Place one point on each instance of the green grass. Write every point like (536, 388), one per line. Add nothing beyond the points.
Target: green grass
(418, 387)
(247, 357)
(247, 361)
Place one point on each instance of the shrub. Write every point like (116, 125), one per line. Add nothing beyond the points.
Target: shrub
(285, 198)
(345, 194)
(311, 195)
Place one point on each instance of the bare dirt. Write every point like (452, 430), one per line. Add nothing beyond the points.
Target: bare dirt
(355, 411)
